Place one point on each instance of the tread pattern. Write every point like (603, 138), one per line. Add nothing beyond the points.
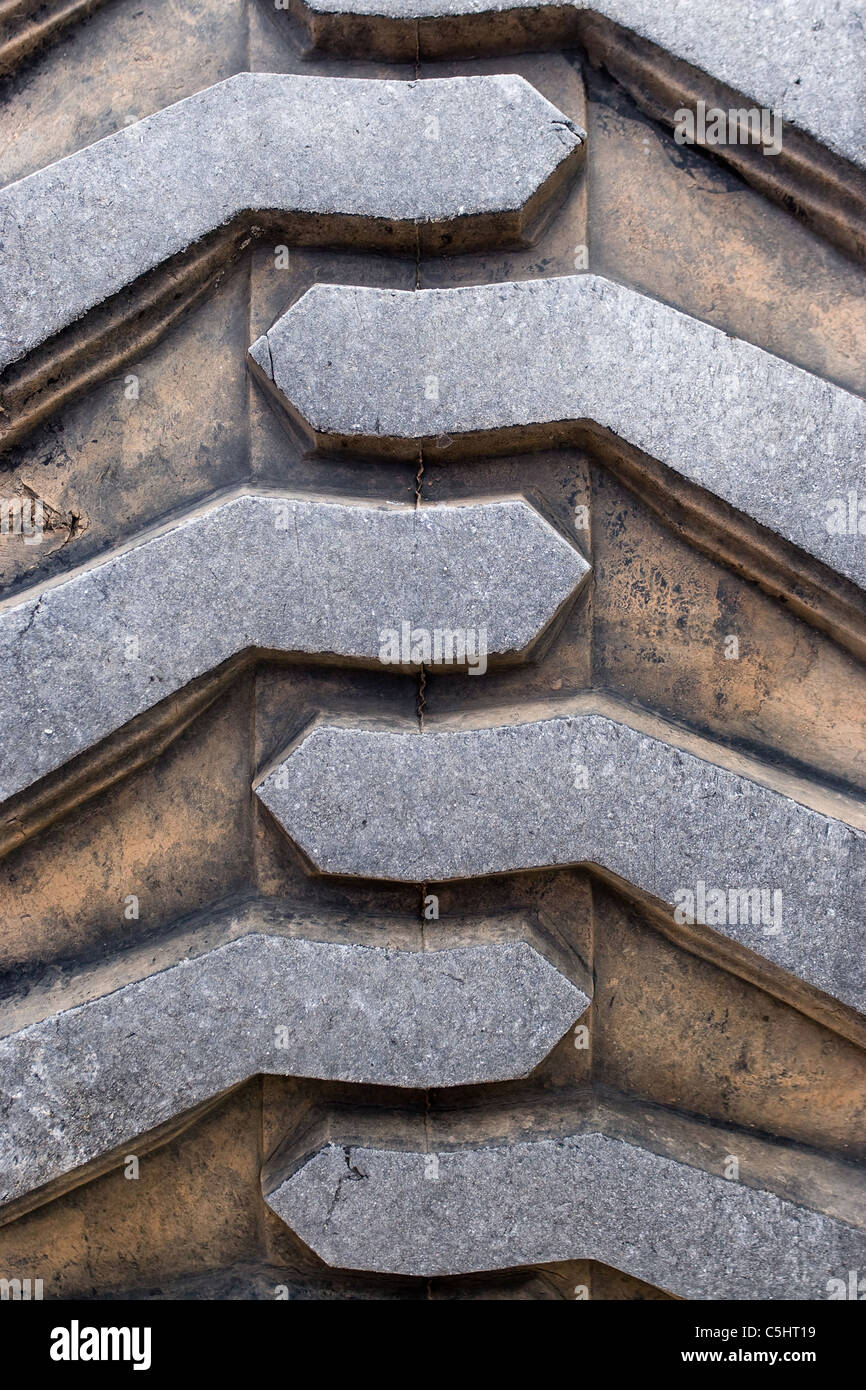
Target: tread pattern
(374, 974)
(87, 227)
(115, 1055)
(276, 573)
(596, 791)
(580, 352)
(591, 1194)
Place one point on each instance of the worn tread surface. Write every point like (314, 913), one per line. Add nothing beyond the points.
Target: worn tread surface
(338, 962)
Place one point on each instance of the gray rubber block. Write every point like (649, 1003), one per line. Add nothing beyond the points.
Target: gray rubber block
(80, 658)
(517, 363)
(675, 1221)
(769, 872)
(347, 159)
(114, 1052)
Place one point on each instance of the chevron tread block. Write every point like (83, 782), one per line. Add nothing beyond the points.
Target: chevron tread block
(331, 152)
(113, 1055)
(588, 1194)
(441, 805)
(274, 572)
(803, 61)
(785, 81)
(587, 351)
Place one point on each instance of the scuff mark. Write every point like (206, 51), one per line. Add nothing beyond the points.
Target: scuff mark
(352, 1174)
